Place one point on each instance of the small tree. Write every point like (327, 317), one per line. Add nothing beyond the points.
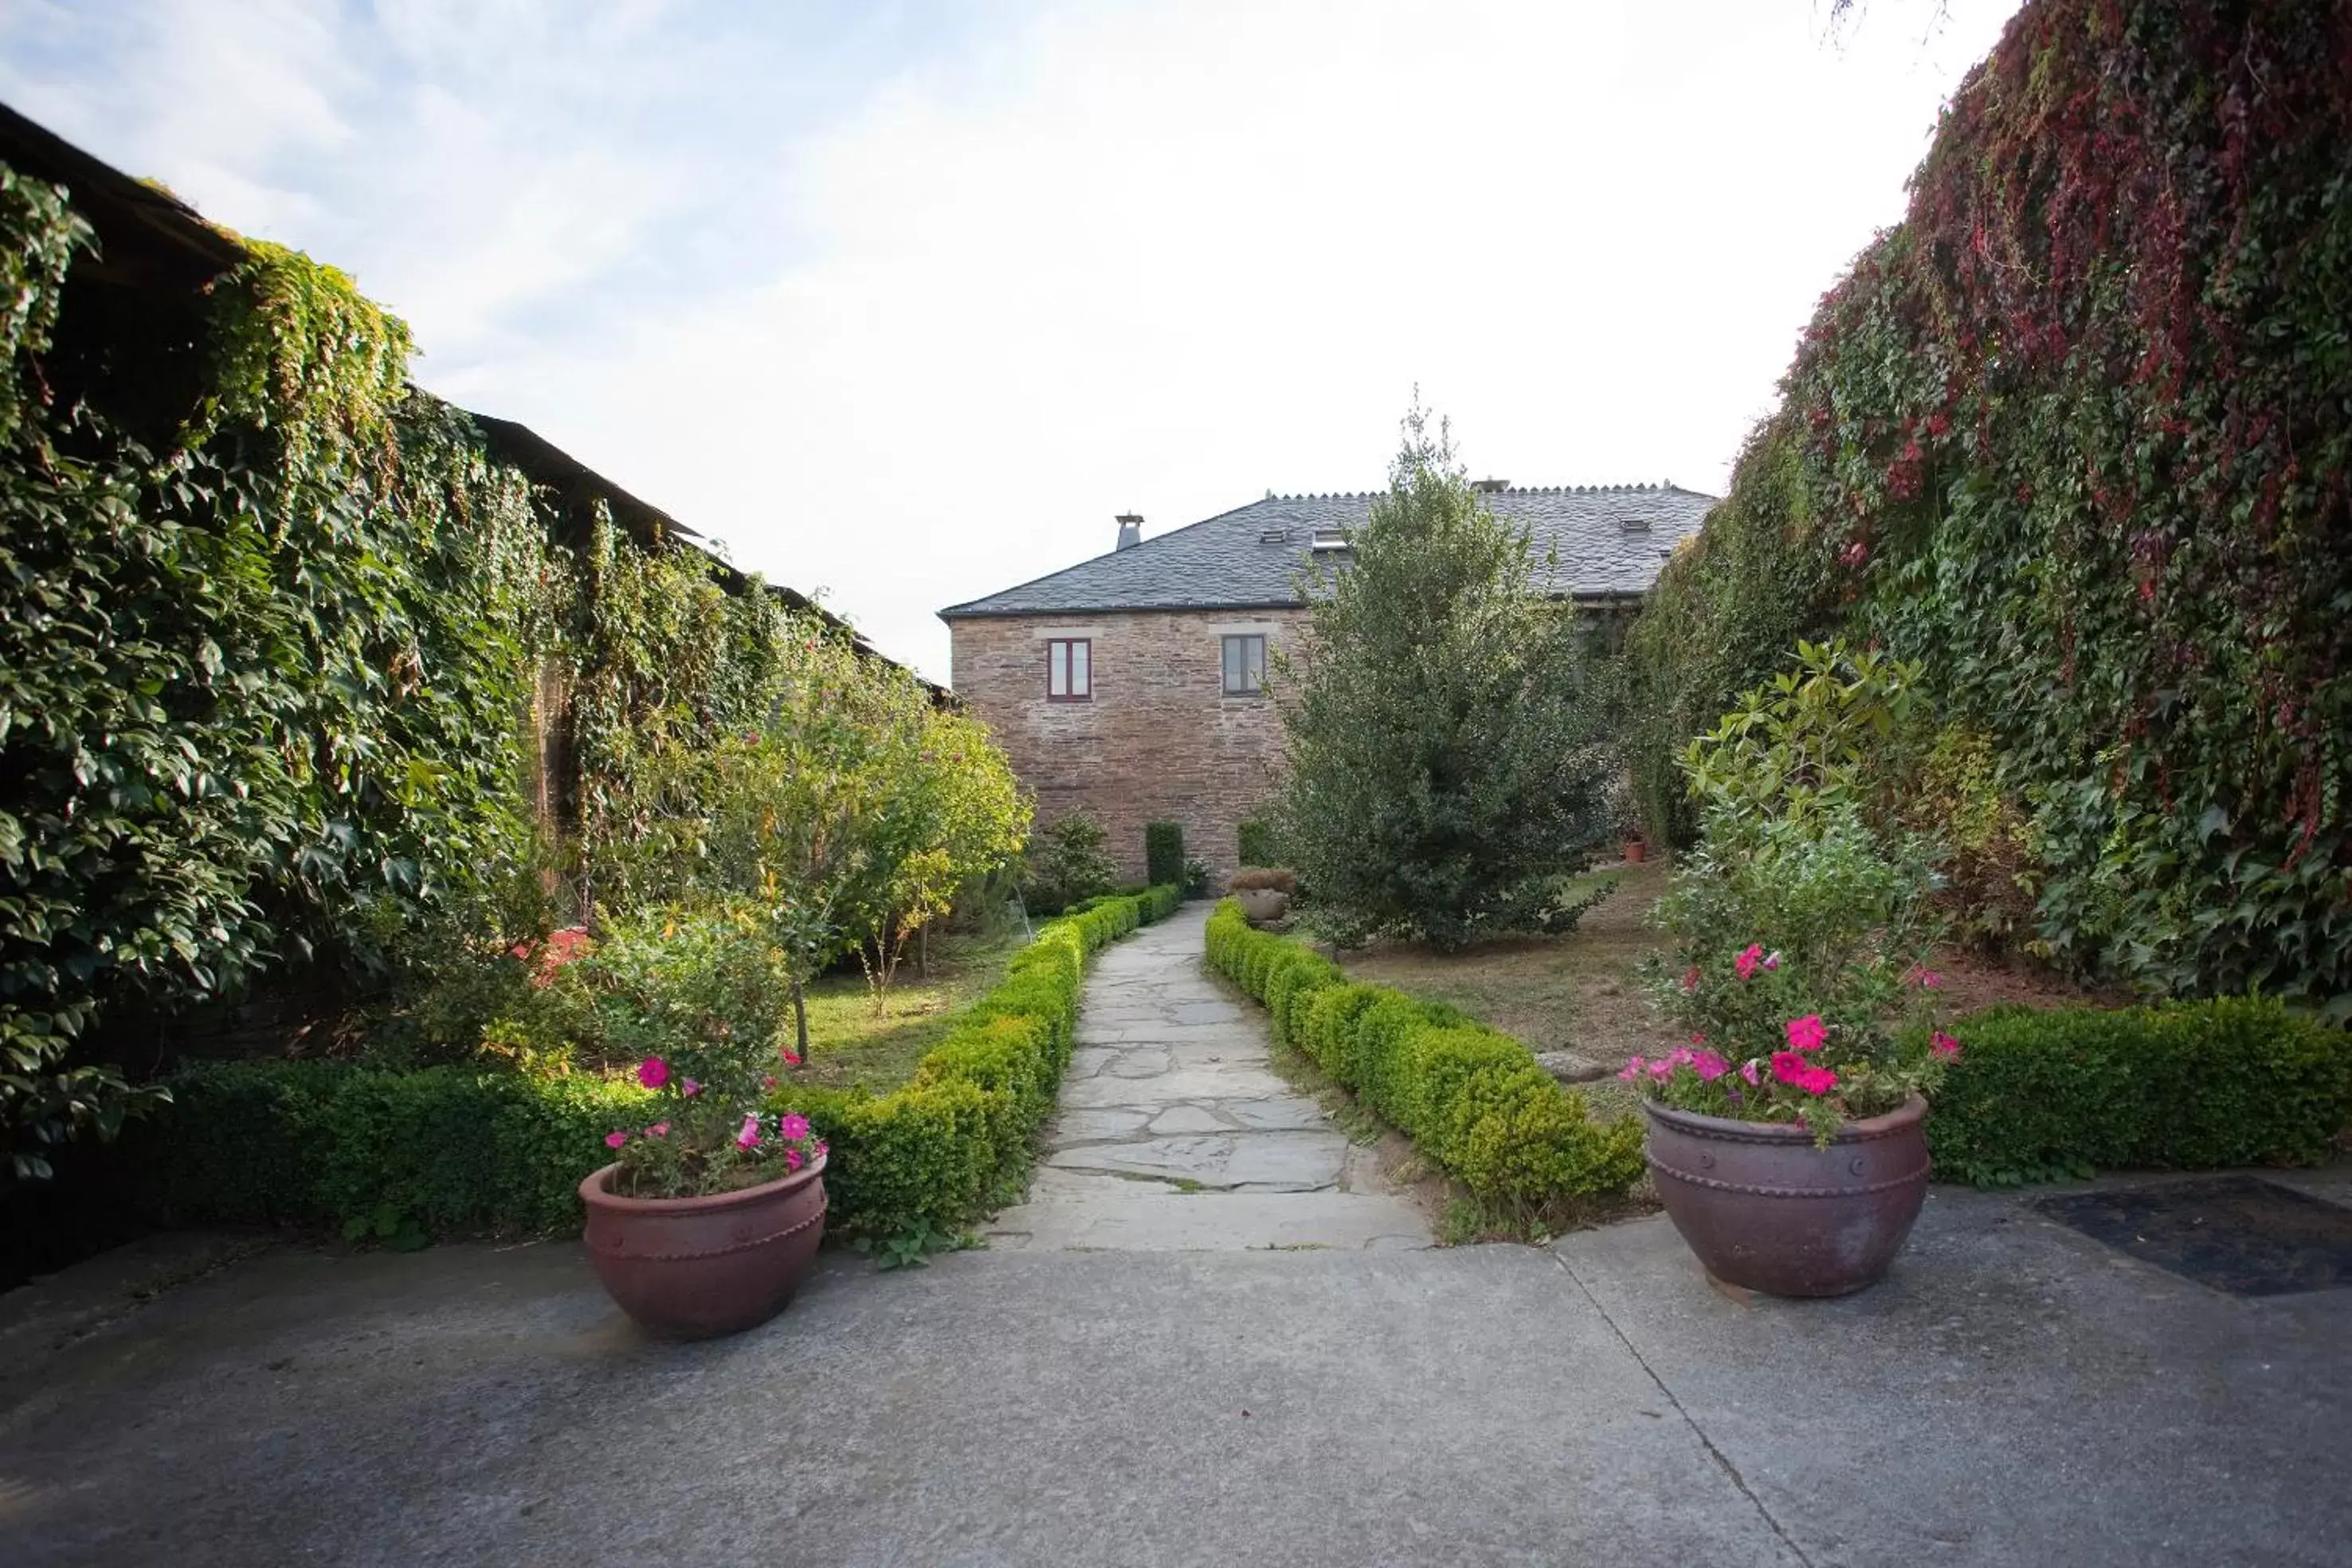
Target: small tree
(1067, 864)
(1448, 764)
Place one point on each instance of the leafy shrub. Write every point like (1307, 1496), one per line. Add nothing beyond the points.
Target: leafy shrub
(1254, 843)
(1196, 879)
(2233, 1081)
(670, 983)
(1163, 854)
(1067, 865)
(404, 1156)
(1471, 1097)
(2073, 435)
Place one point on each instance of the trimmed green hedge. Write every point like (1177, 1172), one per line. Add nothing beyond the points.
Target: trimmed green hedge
(453, 1150)
(1471, 1097)
(2186, 1086)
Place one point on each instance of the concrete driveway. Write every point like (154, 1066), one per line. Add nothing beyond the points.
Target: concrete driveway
(2015, 1393)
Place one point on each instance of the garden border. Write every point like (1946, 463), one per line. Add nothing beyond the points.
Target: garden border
(405, 1156)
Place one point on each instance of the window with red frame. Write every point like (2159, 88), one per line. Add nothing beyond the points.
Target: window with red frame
(1069, 670)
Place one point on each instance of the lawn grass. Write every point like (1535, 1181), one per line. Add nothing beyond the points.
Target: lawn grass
(851, 1046)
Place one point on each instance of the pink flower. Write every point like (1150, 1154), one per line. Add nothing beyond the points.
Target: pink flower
(1662, 1069)
(1944, 1046)
(769, 1081)
(1633, 1069)
(1855, 555)
(1747, 1070)
(1772, 959)
(689, 1088)
(659, 1130)
(1682, 1057)
(653, 1072)
(1690, 978)
(1791, 1069)
(820, 1148)
(793, 1125)
(615, 1139)
(792, 1159)
(750, 1137)
(792, 1058)
(1709, 1066)
(1806, 1034)
(1698, 1039)
(1748, 960)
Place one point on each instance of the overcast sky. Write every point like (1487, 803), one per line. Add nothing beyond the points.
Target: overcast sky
(904, 301)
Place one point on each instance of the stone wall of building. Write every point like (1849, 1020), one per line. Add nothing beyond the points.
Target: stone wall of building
(1158, 740)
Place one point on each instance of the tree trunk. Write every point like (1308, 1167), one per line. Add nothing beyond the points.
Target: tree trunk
(800, 1016)
(923, 952)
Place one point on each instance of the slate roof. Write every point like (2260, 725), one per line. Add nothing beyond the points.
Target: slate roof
(1250, 558)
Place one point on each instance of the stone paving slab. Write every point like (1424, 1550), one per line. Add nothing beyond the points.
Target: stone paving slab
(1229, 1081)
(1261, 1162)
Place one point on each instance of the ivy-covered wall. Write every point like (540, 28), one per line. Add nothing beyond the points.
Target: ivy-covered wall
(285, 648)
(2077, 436)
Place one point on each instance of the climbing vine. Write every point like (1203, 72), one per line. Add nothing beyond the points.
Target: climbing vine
(2077, 436)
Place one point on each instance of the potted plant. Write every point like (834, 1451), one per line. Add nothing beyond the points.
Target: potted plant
(1264, 894)
(710, 1216)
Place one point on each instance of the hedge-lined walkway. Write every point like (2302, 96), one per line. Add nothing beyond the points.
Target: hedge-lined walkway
(1175, 1134)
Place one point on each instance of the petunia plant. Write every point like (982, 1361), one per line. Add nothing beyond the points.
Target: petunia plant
(708, 1134)
(1799, 972)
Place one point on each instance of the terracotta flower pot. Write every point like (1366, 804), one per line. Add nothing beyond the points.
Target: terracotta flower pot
(1635, 850)
(1263, 906)
(1762, 1207)
(691, 1268)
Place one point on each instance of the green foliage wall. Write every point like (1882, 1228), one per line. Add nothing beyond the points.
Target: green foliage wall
(268, 652)
(2077, 436)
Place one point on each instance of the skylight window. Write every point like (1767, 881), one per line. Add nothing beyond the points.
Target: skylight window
(1328, 539)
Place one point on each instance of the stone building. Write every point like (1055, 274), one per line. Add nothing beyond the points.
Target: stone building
(1132, 687)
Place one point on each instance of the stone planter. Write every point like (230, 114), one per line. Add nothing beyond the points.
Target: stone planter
(1263, 906)
(1763, 1208)
(692, 1268)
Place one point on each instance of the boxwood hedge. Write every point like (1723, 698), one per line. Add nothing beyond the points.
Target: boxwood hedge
(2184, 1086)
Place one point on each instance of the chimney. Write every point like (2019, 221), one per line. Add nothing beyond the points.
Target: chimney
(1130, 529)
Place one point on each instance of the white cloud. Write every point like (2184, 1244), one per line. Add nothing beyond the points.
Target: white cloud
(916, 334)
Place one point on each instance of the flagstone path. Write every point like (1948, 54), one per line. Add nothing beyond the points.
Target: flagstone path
(1175, 1134)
